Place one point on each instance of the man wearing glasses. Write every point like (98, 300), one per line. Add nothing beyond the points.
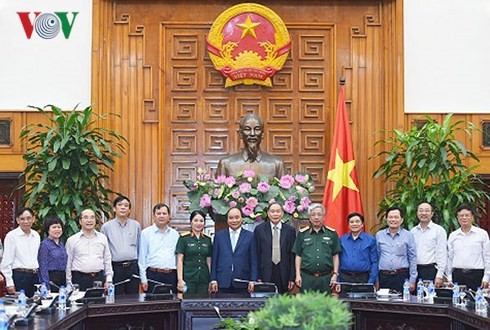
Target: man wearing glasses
(19, 263)
(89, 257)
(466, 246)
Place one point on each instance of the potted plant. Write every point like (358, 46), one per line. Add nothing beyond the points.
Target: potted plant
(310, 310)
(428, 164)
(67, 163)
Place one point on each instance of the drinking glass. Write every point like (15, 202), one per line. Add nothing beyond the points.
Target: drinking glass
(37, 294)
(75, 290)
(462, 294)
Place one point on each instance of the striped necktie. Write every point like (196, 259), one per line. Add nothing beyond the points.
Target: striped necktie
(276, 249)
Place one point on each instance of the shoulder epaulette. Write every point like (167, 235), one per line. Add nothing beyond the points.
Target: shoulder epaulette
(302, 230)
(185, 233)
(332, 229)
(206, 235)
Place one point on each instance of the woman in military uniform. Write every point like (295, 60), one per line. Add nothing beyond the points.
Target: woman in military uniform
(194, 250)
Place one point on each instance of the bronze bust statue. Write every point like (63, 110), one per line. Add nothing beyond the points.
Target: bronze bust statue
(251, 157)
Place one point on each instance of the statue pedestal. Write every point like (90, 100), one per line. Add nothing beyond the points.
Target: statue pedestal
(219, 222)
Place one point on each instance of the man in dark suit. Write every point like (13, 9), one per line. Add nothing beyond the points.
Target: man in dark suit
(275, 242)
(234, 257)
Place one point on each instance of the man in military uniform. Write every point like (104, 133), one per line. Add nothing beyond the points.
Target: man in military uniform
(194, 250)
(317, 251)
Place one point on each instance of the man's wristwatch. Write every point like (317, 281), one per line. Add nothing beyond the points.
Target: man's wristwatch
(335, 273)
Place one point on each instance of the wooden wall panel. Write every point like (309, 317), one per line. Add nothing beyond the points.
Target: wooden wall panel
(150, 67)
(201, 113)
(153, 70)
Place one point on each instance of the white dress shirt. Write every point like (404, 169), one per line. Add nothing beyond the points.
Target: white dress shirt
(466, 250)
(431, 245)
(20, 252)
(279, 227)
(237, 233)
(88, 255)
(486, 256)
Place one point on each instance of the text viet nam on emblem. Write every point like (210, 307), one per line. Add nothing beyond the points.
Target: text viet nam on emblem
(248, 43)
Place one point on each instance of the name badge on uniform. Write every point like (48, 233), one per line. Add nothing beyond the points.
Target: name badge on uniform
(326, 238)
(307, 239)
(191, 244)
(204, 245)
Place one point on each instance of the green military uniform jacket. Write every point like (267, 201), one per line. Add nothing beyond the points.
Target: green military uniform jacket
(317, 249)
(195, 252)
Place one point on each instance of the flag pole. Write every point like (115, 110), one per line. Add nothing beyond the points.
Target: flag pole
(342, 195)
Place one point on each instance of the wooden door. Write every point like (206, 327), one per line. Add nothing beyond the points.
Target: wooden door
(9, 202)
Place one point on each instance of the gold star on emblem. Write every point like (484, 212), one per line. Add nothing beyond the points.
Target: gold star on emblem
(248, 27)
(340, 175)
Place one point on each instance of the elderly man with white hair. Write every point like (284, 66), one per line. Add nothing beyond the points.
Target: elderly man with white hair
(317, 249)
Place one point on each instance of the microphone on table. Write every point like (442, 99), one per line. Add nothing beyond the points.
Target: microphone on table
(254, 282)
(161, 291)
(8, 300)
(54, 284)
(153, 281)
(122, 282)
(216, 309)
(472, 293)
(260, 287)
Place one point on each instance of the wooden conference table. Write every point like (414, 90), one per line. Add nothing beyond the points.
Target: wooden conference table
(132, 312)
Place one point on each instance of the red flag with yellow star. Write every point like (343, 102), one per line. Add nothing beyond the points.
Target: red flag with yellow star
(342, 195)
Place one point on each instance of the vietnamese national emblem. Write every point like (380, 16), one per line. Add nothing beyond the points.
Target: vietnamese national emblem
(248, 43)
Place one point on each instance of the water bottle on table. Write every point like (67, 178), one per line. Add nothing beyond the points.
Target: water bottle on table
(44, 291)
(431, 292)
(456, 294)
(406, 291)
(4, 320)
(420, 290)
(62, 298)
(480, 303)
(110, 298)
(22, 303)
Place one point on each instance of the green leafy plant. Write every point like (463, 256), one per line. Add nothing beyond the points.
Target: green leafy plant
(67, 164)
(251, 193)
(428, 164)
(308, 311)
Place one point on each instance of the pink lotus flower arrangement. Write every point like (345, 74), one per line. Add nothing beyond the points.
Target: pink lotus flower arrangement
(251, 193)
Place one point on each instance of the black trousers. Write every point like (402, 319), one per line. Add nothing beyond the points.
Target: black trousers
(470, 277)
(168, 278)
(124, 271)
(394, 282)
(58, 277)
(277, 279)
(25, 281)
(354, 277)
(232, 289)
(427, 272)
(85, 280)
